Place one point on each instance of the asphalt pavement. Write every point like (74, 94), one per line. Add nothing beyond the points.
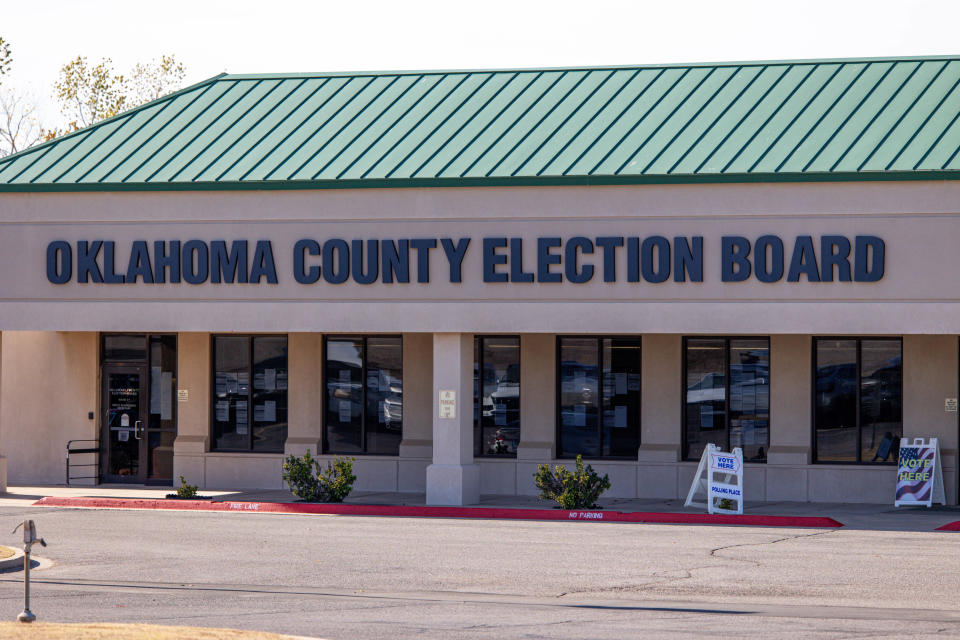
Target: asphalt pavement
(886, 575)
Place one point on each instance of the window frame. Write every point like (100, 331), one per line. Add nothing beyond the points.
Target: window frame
(813, 398)
(213, 390)
(685, 445)
(599, 338)
(363, 337)
(477, 396)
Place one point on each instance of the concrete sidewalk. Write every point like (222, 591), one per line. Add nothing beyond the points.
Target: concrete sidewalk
(857, 516)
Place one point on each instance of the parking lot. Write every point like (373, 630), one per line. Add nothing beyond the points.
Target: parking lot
(365, 577)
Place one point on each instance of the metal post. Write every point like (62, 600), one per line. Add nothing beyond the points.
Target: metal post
(26, 615)
(29, 538)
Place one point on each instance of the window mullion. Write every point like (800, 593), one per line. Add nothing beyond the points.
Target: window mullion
(250, 394)
(726, 390)
(478, 400)
(363, 394)
(600, 399)
(857, 416)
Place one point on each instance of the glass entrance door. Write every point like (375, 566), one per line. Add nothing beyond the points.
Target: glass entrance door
(124, 400)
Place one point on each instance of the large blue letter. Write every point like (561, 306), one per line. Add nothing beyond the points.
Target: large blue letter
(545, 259)
(300, 251)
(609, 246)
(517, 274)
(59, 262)
(139, 265)
(804, 260)
(455, 254)
(368, 276)
(87, 261)
(869, 247)
(662, 271)
(571, 260)
(395, 260)
(734, 252)
(687, 259)
(491, 259)
(834, 251)
(772, 270)
(263, 263)
(423, 246)
(228, 267)
(196, 275)
(336, 272)
(163, 261)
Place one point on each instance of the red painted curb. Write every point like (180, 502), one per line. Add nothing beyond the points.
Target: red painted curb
(950, 526)
(493, 513)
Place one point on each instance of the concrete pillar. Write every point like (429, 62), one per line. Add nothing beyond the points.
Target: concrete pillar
(304, 394)
(193, 414)
(661, 406)
(453, 478)
(791, 422)
(538, 407)
(930, 375)
(416, 448)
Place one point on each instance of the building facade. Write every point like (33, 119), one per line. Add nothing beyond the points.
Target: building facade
(456, 276)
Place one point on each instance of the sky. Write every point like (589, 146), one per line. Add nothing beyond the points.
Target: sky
(239, 36)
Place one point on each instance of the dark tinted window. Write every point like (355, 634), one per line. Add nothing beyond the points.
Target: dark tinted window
(599, 397)
(727, 388)
(858, 399)
(125, 348)
(835, 389)
(364, 395)
(497, 395)
(250, 393)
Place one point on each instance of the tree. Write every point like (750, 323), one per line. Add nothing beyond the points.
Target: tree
(5, 57)
(90, 93)
(19, 127)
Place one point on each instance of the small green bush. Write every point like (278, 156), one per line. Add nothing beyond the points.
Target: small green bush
(186, 490)
(309, 482)
(571, 490)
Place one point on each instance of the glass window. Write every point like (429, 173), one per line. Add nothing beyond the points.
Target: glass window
(727, 403)
(599, 397)
(125, 348)
(858, 399)
(496, 385)
(162, 425)
(250, 393)
(364, 395)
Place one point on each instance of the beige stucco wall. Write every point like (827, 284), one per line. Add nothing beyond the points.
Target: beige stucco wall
(918, 294)
(49, 379)
(49, 385)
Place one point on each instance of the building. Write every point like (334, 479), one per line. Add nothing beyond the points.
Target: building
(625, 263)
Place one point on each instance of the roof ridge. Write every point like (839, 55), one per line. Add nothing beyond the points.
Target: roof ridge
(623, 67)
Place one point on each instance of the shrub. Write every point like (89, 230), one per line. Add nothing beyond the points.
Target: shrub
(571, 490)
(186, 490)
(311, 483)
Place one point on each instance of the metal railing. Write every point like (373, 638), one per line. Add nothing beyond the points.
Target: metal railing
(95, 450)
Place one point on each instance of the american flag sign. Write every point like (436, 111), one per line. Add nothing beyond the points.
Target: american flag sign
(918, 473)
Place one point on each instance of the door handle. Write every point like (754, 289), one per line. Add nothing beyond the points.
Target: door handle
(137, 426)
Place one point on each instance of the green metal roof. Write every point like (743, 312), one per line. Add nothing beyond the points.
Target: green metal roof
(878, 119)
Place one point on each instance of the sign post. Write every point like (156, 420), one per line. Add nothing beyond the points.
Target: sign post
(720, 477)
(919, 473)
